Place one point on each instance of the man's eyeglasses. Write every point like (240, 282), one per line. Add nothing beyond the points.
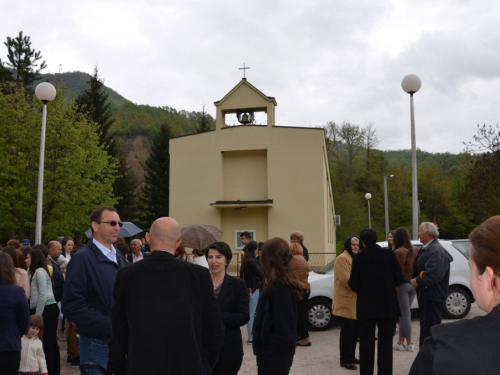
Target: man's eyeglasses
(112, 223)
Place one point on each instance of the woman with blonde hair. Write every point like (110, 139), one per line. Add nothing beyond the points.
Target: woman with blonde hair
(301, 272)
(344, 304)
(298, 237)
(470, 346)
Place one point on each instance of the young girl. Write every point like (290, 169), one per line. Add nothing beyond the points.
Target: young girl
(32, 356)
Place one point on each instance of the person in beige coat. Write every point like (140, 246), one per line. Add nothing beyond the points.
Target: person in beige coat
(344, 304)
(301, 272)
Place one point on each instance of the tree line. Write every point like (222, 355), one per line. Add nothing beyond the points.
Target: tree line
(457, 192)
(85, 165)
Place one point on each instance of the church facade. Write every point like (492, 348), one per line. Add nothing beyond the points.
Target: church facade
(266, 179)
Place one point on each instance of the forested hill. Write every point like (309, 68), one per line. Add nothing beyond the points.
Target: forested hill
(403, 157)
(132, 120)
(76, 81)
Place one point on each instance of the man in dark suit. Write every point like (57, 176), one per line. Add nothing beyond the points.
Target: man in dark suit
(431, 278)
(136, 254)
(375, 275)
(183, 333)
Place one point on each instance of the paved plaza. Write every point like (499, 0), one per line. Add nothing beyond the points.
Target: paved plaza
(321, 358)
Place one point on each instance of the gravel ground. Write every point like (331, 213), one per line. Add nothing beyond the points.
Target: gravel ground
(321, 358)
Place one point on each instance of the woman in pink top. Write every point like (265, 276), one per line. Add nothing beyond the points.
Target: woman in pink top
(20, 273)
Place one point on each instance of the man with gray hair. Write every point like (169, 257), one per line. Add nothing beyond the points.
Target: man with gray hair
(431, 278)
(136, 253)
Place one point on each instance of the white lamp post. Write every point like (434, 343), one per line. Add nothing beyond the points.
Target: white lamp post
(411, 84)
(46, 93)
(368, 196)
(386, 203)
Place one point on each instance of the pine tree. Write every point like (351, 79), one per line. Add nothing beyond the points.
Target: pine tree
(204, 123)
(155, 194)
(93, 102)
(22, 67)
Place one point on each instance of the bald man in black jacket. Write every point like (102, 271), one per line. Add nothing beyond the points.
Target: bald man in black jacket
(165, 318)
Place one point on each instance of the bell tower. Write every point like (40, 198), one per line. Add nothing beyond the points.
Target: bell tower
(244, 100)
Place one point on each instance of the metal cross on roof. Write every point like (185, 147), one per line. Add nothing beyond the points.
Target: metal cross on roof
(244, 69)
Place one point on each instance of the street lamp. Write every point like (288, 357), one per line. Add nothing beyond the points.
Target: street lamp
(46, 93)
(411, 84)
(386, 203)
(368, 196)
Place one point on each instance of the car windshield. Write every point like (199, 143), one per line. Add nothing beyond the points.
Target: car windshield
(462, 246)
(327, 269)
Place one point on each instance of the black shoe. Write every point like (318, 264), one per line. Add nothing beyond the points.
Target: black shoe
(75, 362)
(68, 360)
(355, 361)
(348, 366)
(308, 344)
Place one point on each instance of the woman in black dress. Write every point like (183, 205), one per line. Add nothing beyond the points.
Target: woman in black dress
(275, 326)
(231, 293)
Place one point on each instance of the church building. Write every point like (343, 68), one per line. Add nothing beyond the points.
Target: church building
(266, 179)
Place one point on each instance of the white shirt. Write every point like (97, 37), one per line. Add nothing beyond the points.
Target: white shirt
(201, 261)
(110, 254)
(136, 259)
(32, 356)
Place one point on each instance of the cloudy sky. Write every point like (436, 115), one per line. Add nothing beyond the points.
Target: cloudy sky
(321, 60)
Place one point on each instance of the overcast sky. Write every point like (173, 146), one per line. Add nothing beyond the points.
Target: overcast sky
(321, 60)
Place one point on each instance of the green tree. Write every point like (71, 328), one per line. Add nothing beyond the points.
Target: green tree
(93, 103)
(155, 194)
(78, 173)
(204, 123)
(353, 137)
(23, 66)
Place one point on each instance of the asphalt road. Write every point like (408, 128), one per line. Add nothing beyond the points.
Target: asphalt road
(321, 358)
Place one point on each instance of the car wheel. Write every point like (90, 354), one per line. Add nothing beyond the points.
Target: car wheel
(458, 304)
(319, 314)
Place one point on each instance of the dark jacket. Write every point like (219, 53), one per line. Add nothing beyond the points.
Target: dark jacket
(252, 274)
(131, 260)
(305, 252)
(375, 275)
(275, 324)
(88, 291)
(469, 346)
(57, 280)
(233, 304)
(165, 319)
(435, 261)
(14, 316)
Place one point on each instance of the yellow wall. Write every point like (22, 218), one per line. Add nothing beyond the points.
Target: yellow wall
(296, 181)
(239, 169)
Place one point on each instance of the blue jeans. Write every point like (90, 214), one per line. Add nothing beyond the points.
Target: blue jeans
(253, 299)
(93, 350)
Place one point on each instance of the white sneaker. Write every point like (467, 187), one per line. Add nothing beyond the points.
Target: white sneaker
(396, 346)
(411, 347)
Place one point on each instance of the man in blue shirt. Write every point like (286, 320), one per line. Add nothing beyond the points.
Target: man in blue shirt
(88, 292)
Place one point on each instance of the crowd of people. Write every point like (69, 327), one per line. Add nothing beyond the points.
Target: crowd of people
(153, 308)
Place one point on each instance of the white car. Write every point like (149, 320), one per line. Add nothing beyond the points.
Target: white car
(457, 305)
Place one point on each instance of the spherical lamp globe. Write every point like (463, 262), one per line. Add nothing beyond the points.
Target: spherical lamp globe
(368, 196)
(45, 92)
(411, 83)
